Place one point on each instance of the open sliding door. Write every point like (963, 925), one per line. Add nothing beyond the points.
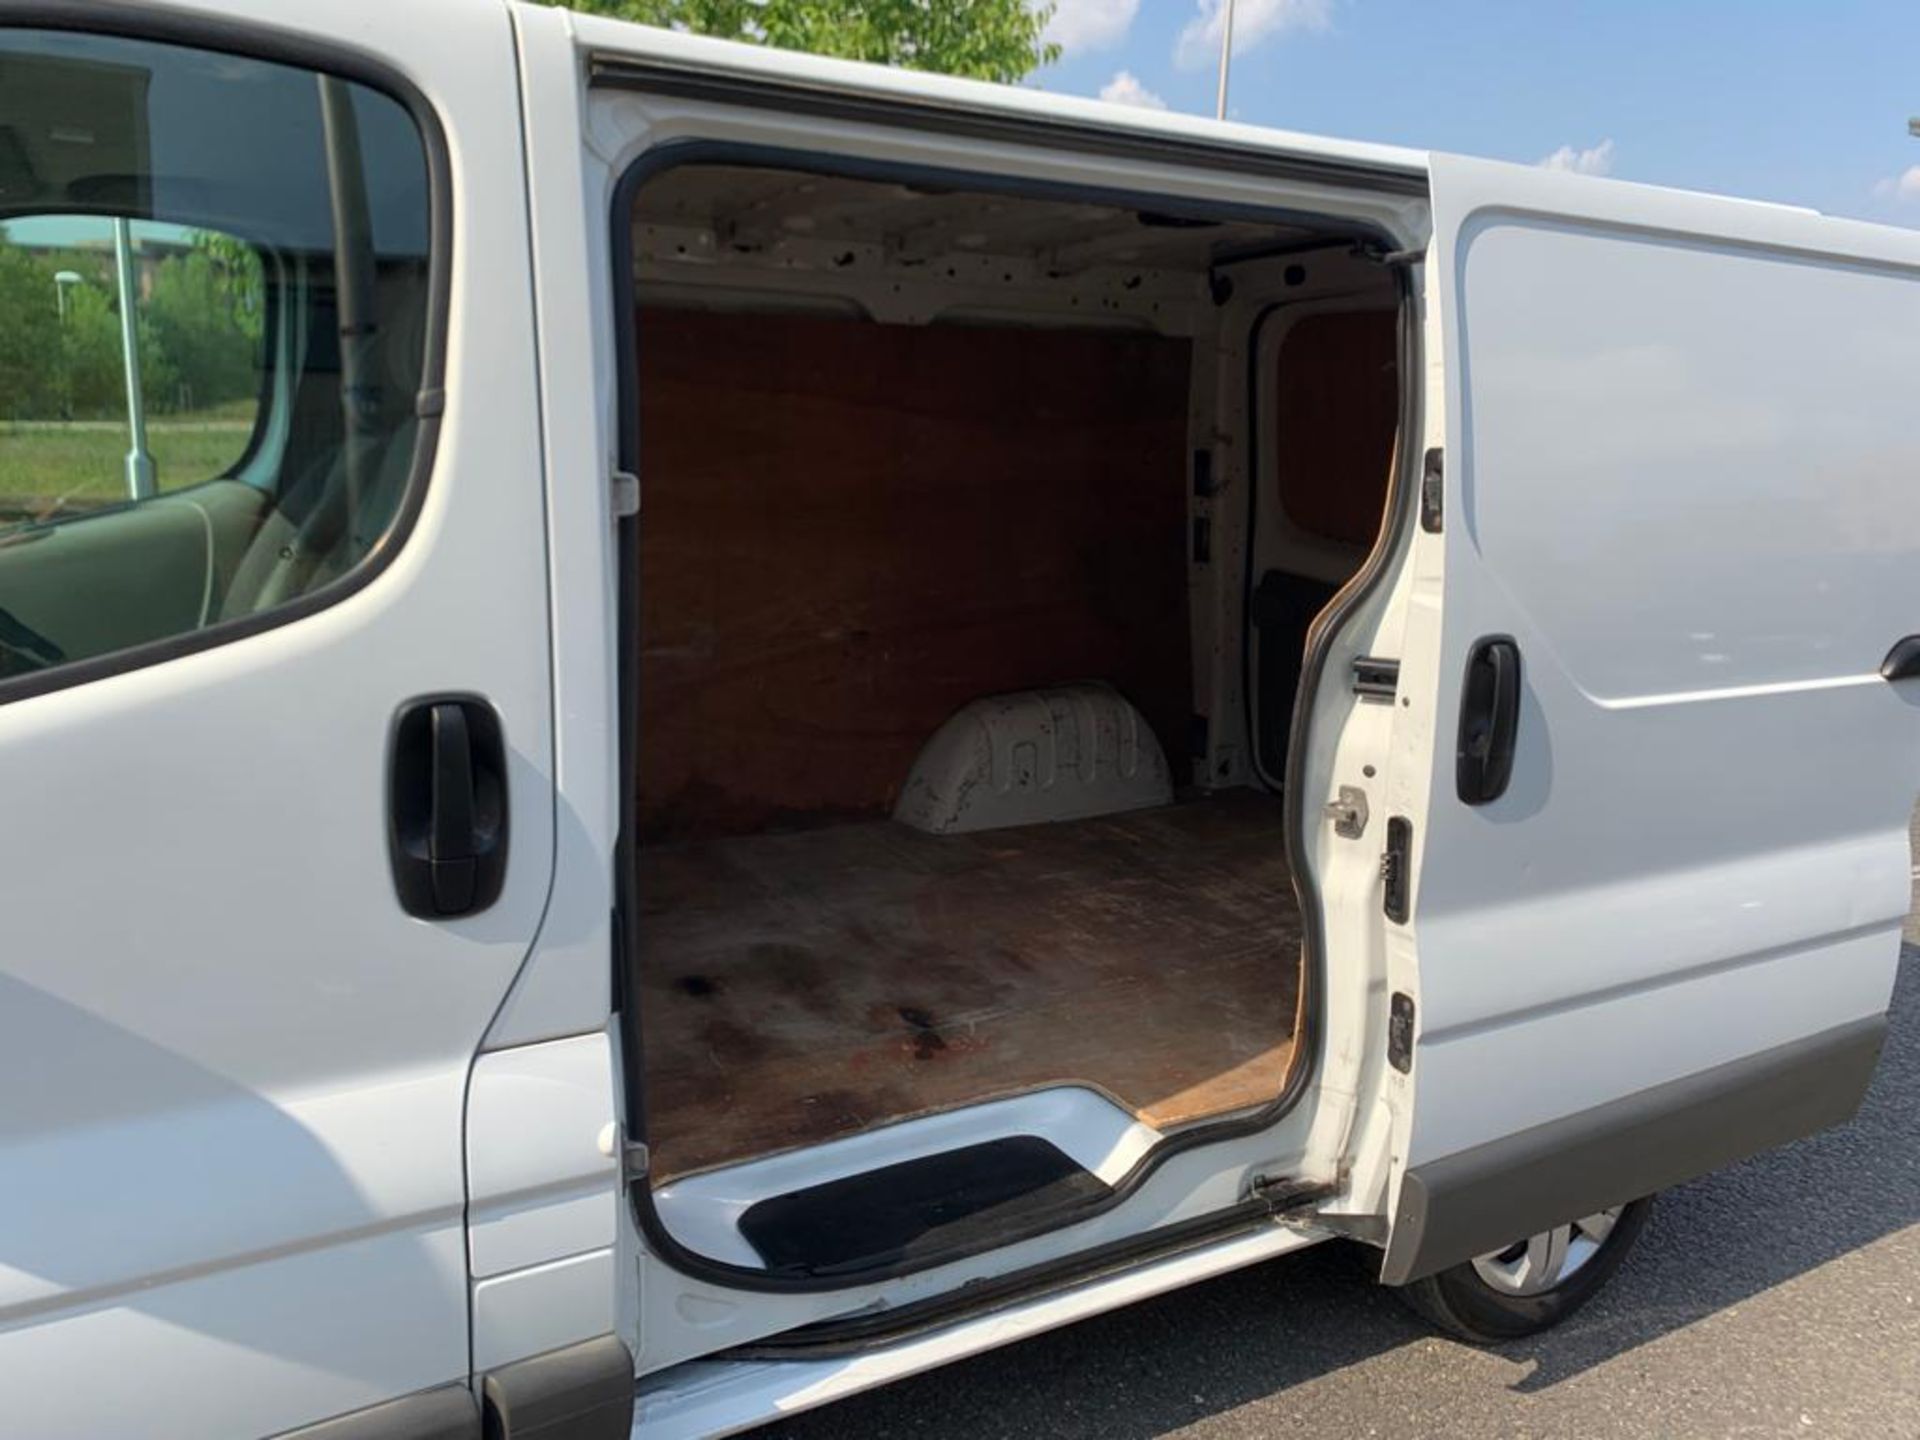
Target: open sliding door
(1682, 537)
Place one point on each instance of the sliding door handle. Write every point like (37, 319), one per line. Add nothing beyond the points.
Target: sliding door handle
(447, 806)
(1903, 660)
(1489, 720)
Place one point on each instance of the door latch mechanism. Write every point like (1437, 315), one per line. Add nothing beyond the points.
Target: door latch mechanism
(1400, 1032)
(636, 1161)
(625, 487)
(1396, 864)
(1348, 812)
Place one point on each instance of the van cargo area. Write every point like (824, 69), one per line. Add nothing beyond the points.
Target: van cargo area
(980, 538)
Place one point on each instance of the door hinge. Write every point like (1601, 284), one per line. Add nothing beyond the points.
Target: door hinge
(1395, 864)
(626, 494)
(1432, 478)
(1400, 1032)
(1348, 812)
(1374, 678)
(1375, 253)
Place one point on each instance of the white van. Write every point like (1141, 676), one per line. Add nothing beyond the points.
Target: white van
(686, 728)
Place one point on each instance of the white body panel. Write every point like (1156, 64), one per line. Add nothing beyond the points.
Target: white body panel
(564, 987)
(543, 1188)
(1681, 450)
(251, 1158)
(540, 1167)
(231, 1171)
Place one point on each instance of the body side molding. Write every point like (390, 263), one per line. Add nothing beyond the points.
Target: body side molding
(579, 1392)
(1466, 1204)
(445, 1413)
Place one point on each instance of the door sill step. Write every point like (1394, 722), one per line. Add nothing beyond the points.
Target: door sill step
(951, 1201)
(720, 1396)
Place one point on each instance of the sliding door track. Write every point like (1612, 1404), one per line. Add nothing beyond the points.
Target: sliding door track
(872, 1330)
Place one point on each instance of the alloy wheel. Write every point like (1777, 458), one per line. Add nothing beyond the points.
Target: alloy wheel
(1540, 1262)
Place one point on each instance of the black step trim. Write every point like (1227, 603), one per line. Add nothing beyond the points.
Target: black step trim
(958, 1200)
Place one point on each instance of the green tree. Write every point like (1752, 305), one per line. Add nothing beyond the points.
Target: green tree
(29, 336)
(94, 382)
(985, 39)
(200, 324)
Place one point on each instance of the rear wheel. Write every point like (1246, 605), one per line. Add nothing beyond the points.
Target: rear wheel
(1532, 1283)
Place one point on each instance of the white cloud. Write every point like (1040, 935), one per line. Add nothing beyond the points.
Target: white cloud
(1090, 24)
(1904, 186)
(1253, 21)
(1125, 89)
(1594, 160)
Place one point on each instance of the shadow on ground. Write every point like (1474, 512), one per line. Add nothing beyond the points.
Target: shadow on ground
(1171, 1362)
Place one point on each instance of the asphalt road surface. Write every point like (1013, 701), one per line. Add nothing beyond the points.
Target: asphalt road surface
(1781, 1297)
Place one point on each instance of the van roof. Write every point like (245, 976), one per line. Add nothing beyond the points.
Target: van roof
(675, 62)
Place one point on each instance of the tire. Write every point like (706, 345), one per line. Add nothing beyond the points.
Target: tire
(1500, 1296)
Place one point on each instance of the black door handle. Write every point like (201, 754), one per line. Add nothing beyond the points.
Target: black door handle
(1489, 720)
(1903, 660)
(447, 806)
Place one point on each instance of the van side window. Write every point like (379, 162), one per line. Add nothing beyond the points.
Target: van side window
(214, 333)
(193, 356)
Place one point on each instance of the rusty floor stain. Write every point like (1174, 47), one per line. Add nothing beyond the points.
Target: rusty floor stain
(800, 987)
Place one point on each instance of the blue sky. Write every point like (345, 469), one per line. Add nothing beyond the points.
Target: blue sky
(1799, 102)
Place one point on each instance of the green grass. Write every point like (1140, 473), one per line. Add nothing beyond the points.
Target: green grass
(48, 468)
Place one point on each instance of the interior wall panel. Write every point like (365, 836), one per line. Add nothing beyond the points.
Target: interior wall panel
(1338, 409)
(850, 530)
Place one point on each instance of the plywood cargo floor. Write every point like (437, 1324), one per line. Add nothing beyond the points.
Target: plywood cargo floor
(800, 987)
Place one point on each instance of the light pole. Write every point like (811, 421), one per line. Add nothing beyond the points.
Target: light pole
(1226, 56)
(139, 460)
(64, 280)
